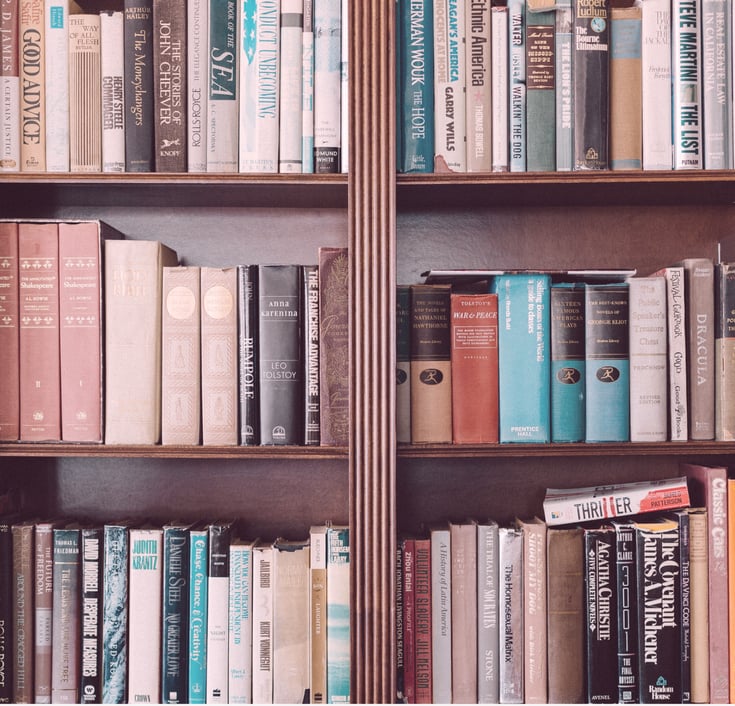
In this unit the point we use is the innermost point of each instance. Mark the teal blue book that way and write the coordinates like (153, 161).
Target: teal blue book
(607, 362)
(416, 86)
(198, 554)
(524, 356)
(567, 362)
(338, 615)
(517, 83)
(564, 108)
(540, 92)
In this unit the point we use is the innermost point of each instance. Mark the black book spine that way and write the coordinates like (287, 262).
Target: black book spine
(248, 343)
(601, 610)
(627, 613)
(220, 538)
(6, 613)
(681, 517)
(312, 434)
(91, 674)
(139, 90)
(280, 355)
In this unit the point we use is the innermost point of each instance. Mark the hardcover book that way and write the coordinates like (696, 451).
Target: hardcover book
(408, 583)
(524, 365)
(463, 560)
(56, 84)
(112, 63)
(400, 656)
(431, 371)
(23, 616)
(510, 603)
(517, 84)
(247, 303)
(10, 84)
(499, 80)
(478, 95)
(290, 86)
(627, 613)
(681, 518)
(724, 348)
(318, 613)
(262, 623)
(488, 628)
(219, 355)
(716, 77)
(699, 617)
(334, 353)
(90, 681)
(40, 371)
(198, 600)
(43, 608)
(32, 63)
(197, 83)
(607, 354)
(138, 92)
(327, 86)
(280, 352)
(7, 646)
(425, 632)
(307, 90)
(567, 331)
(240, 646)
(338, 614)
(403, 364)
(564, 44)
(181, 406)
(591, 84)
(133, 305)
(9, 333)
(85, 86)
(541, 90)
(312, 358)
(474, 357)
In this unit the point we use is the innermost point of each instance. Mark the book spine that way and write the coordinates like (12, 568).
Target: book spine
(175, 614)
(197, 83)
(56, 85)
(601, 612)
(32, 86)
(169, 85)
(403, 364)
(145, 606)
(400, 656)
(307, 90)
(431, 371)
(540, 92)
(248, 355)
(9, 336)
(80, 315)
(219, 355)
(344, 87)
(181, 356)
(338, 612)
(724, 347)
(66, 617)
(40, 373)
(279, 354)
(90, 681)
(334, 269)
(627, 613)
(499, 83)
(686, 84)
(239, 655)
(478, 93)
(535, 670)
(112, 62)
(463, 561)
(409, 619)
(10, 85)
(260, 59)
(327, 88)
(656, 34)
(524, 366)
(415, 76)
(115, 614)
(44, 611)
(22, 629)
(291, 85)
(138, 51)
(607, 363)
(625, 88)
(510, 542)
(682, 519)
(564, 43)
(262, 625)
(311, 355)
(318, 613)
(198, 600)
(7, 655)
(648, 364)
(218, 587)
(425, 653)
(488, 654)
(567, 363)
(716, 84)
(474, 356)
(699, 616)
(591, 84)
(517, 84)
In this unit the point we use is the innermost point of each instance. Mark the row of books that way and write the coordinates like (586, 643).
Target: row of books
(179, 613)
(629, 609)
(566, 356)
(538, 85)
(175, 86)
(136, 349)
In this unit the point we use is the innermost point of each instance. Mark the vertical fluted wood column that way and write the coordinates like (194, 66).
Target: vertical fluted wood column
(372, 347)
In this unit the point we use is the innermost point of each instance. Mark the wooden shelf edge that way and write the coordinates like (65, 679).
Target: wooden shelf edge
(148, 179)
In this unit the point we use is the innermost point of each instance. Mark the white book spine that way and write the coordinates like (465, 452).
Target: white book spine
(499, 69)
(57, 85)
(239, 656)
(564, 93)
(656, 83)
(262, 625)
(479, 110)
(648, 355)
(344, 76)
(510, 541)
(449, 86)
(716, 84)
(686, 83)
(307, 90)
(441, 616)
(488, 660)
(144, 609)
(259, 78)
(113, 105)
(10, 124)
(197, 29)
(517, 84)
(291, 85)
(327, 85)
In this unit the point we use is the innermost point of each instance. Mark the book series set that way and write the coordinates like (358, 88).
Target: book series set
(561, 85)
(622, 594)
(110, 339)
(534, 357)
(175, 86)
(176, 613)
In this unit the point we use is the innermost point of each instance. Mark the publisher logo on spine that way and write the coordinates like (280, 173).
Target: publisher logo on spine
(431, 376)
(607, 373)
(568, 376)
